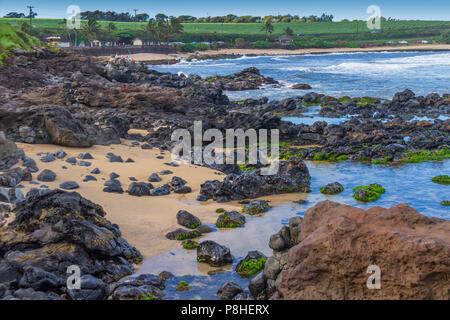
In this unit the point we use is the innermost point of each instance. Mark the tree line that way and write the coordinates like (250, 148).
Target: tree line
(229, 18)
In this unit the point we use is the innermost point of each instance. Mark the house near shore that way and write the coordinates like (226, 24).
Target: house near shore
(284, 40)
(103, 43)
(143, 42)
(56, 42)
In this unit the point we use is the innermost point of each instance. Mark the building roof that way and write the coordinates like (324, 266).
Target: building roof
(284, 38)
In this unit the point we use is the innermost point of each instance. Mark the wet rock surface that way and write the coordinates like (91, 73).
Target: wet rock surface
(56, 230)
(292, 176)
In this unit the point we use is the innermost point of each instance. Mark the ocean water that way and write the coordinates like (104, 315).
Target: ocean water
(356, 74)
(376, 74)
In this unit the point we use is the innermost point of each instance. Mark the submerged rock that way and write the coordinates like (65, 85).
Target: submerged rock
(256, 207)
(332, 188)
(230, 219)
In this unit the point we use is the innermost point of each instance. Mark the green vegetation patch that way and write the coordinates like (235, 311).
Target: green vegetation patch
(147, 296)
(421, 156)
(368, 193)
(189, 244)
(183, 286)
(445, 203)
(441, 179)
(190, 235)
(220, 210)
(252, 267)
(11, 39)
(227, 222)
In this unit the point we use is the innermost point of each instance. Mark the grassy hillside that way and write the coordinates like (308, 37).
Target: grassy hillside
(255, 28)
(10, 39)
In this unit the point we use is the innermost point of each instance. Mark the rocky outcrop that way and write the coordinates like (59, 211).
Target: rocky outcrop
(338, 243)
(53, 230)
(292, 176)
(9, 153)
(247, 79)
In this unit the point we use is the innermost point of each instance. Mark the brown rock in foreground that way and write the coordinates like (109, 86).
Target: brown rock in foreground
(339, 242)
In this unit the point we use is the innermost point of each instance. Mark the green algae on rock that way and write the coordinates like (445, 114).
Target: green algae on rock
(368, 193)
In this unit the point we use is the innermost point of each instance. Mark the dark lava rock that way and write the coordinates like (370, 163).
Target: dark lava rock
(113, 186)
(202, 198)
(229, 290)
(9, 153)
(139, 189)
(85, 156)
(30, 164)
(332, 188)
(50, 157)
(292, 176)
(182, 234)
(154, 178)
(182, 189)
(213, 254)
(165, 172)
(96, 171)
(89, 178)
(84, 163)
(177, 182)
(204, 228)
(161, 191)
(188, 220)
(140, 287)
(287, 236)
(69, 185)
(113, 175)
(301, 86)
(46, 175)
(11, 177)
(129, 160)
(230, 219)
(71, 160)
(91, 288)
(114, 158)
(256, 207)
(55, 230)
(60, 154)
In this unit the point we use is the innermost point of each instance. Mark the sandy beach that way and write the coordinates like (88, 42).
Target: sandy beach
(143, 221)
(148, 57)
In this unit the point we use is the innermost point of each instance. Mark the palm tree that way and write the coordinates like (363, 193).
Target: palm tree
(152, 29)
(175, 27)
(267, 28)
(111, 27)
(91, 28)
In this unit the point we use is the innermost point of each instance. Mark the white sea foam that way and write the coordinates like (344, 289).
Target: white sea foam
(381, 66)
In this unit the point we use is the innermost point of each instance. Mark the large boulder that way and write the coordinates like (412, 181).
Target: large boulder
(9, 154)
(53, 230)
(340, 242)
(292, 176)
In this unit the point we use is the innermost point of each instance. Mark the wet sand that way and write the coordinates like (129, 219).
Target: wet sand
(147, 57)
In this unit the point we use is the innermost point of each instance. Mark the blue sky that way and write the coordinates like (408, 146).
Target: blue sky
(350, 9)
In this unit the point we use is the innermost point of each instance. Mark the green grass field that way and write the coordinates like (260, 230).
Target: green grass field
(255, 28)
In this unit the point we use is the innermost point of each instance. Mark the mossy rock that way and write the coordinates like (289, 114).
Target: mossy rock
(183, 286)
(368, 193)
(332, 188)
(220, 210)
(256, 207)
(253, 263)
(232, 219)
(189, 244)
(445, 203)
(441, 179)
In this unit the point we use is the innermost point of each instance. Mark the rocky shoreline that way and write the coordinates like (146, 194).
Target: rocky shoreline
(75, 101)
